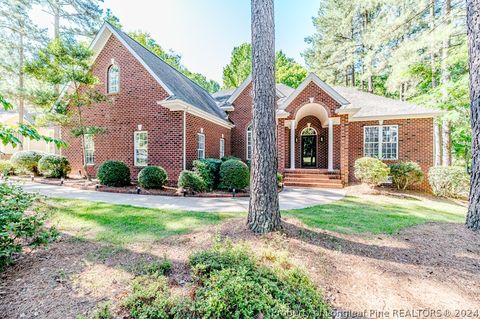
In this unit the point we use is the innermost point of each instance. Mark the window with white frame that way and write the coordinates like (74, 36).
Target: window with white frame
(201, 146)
(89, 149)
(222, 147)
(381, 141)
(113, 79)
(249, 151)
(141, 148)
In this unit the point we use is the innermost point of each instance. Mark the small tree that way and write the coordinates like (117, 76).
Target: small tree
(67, 63)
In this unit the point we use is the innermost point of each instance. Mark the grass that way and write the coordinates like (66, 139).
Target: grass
(378, 214)
(123, 224)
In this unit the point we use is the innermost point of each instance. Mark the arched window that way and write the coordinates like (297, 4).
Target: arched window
(309, 131)
(113, 79)
(249, 150)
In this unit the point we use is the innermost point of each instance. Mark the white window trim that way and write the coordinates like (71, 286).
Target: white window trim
(222, 148)
(135, 148)
(249, 132)
(85, 150)
(109, 91)
(380, 141)
(198, 146)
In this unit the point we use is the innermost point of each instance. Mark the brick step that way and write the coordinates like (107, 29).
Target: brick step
(323, 176)
(313, 185)
(311, 171)
(312, 179)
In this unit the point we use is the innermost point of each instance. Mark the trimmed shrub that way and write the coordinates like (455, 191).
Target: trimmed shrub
(22, 223)
(279, 179)
(202, 169)
(114, 173)
(191, 182)
(371, 171)
(52, 165)
(227, 158)
(234, 174)
(449, 181)
(406, 174)
(230, 283)
(214, 165)
(152, 177)
(27, 161)
(6, 168)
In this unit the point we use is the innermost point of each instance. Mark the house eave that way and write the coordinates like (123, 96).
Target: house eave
(179, 105)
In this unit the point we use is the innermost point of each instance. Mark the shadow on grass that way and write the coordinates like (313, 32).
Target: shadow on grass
(123, 224)
(357, 215)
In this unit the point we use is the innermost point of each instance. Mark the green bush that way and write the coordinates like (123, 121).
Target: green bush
(227, 158)
(6, 168)
(191, 182)
(214, 165)
(234, 174)
(114, 173)
(236, 285)
(152, 177)
(27, 161)
(202, 169)
(279, 179)
(371, 171)
(52, 165)
(449, 181)
(161, 267)
(22, 223)
(406, 174)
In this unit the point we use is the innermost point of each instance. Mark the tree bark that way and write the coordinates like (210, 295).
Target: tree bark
(264, 213)
(432, 44)
(473, 26)
(21, 87)
(445, 78)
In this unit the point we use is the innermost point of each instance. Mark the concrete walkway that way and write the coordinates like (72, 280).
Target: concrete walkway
(290, 198)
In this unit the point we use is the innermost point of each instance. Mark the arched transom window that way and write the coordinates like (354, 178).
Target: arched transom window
(309, 131)
(113, 79)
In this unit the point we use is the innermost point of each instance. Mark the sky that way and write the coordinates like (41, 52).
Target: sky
(204, 32)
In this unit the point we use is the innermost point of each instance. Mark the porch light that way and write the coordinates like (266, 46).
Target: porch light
(233, 192)
(138, 190)
(97, 187)
(322, 139)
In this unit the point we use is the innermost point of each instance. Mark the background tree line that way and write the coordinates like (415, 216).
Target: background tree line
(413, 50)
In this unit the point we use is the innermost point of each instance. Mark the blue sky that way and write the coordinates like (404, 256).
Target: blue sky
(204, 32)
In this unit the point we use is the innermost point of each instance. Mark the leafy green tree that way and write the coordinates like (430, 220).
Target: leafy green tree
(288, 71)
(174, 59)
(66, 63)
(19, 37)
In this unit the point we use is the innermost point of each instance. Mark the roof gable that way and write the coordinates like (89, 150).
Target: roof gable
(324, 86)
(177, 85)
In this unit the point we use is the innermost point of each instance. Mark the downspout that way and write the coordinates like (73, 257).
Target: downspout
(185, 139)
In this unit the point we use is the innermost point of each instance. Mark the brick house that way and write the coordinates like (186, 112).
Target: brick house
(157, 116)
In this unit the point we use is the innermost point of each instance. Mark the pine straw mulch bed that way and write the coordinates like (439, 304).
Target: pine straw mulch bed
(435, 266)
(91, 185)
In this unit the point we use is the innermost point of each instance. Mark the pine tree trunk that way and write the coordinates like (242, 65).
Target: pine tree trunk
(21, 88)
(445, 78)
(432, 44)
(264, 213)
(473, 25)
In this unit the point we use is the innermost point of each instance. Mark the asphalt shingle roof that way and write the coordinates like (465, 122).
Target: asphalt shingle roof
(371, 105)
(182, 87)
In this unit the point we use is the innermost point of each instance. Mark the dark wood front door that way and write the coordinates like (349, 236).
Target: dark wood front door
(309, 151)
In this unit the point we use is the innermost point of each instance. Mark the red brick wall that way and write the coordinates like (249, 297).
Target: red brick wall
(213, 134)
(242, 118)
(134, 104)
(415, 143)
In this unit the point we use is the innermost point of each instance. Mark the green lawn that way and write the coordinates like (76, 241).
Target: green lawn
(378, 214)
(123, 224)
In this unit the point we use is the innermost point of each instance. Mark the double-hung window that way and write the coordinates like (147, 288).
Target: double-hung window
(201, 146)
(222, 147)
(141, 148)
(381, 141)
(89, 149)
(249, 150)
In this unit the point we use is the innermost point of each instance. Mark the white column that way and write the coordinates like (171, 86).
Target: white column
(292, 144)
(330, 145)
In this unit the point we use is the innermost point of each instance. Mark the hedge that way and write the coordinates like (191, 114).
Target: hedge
(152, 177)
(114, 173)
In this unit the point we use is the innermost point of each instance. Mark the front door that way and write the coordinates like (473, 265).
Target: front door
(309, 151)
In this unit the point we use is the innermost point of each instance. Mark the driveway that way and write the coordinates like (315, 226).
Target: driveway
(290, 198)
